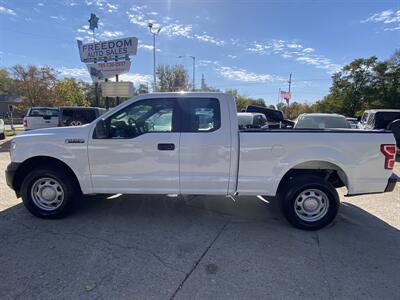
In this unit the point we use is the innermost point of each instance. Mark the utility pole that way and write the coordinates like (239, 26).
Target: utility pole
(154, 32)
(194, 70)
(290, 81)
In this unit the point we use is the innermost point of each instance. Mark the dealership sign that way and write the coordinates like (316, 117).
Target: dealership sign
(113, 49)
(102, 70)
(117, 89)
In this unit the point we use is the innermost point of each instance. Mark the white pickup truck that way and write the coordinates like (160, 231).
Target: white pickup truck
(189, 143)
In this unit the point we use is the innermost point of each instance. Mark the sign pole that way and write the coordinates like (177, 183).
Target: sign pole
(116, 80)
(107, 99)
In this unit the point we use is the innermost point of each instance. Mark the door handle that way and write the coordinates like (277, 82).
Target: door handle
(166, 147)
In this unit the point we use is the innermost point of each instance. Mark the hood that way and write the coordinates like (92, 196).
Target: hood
(56, 133)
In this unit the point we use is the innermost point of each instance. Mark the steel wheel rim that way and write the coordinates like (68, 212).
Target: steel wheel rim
(311, 205)
(47, 194)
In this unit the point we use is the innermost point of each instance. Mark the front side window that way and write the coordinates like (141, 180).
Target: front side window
(201, 115)
(145, 116)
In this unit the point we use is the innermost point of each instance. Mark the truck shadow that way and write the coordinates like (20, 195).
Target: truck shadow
(5, 145)
(146, 245)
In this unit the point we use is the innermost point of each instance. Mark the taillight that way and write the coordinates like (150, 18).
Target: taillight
(389, 151)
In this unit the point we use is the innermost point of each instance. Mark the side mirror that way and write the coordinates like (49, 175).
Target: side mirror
(101, 131)
(47, 117)
(358, 119)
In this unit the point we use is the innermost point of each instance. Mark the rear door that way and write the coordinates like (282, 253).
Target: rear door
(205, 146)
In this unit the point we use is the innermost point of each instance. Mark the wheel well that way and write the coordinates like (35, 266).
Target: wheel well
(36, 161)
(330, 172)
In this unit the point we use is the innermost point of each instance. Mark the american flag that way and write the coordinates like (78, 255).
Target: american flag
(286, 95)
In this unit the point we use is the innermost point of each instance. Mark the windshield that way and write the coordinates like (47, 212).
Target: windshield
(321, 122)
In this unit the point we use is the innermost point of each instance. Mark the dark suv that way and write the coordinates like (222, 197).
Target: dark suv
(382, 119)
(77, 115)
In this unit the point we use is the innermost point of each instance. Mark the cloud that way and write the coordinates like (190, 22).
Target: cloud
(137, 78)
(140, 16)
(175, 30)
(207, 38)
(232, 56)
(40, 4)
(147, 47)
(58, 18)
(102, 5)
(74, 72)
(111, 34)
(7, 11)
(239, 74)
(294, 50)
(387, 18)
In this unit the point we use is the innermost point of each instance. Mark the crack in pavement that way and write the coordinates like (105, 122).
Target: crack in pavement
(197, 262)
(330, 294)
(146, 251)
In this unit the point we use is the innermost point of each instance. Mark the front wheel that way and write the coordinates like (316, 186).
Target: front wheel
(309, 202)
(48, 192)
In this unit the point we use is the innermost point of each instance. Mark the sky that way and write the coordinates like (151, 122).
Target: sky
(249, 45)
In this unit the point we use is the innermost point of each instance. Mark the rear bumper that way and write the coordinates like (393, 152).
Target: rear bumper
(391, 183)
(390, 186)
(10, 173)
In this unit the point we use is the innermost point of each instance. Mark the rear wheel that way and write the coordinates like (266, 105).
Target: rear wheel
(309, 202)
(48, 192)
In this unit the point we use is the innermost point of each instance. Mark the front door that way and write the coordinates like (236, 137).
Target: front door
(139, 152)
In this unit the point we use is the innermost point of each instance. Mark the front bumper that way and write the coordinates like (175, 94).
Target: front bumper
(392, 183)
(10, 174)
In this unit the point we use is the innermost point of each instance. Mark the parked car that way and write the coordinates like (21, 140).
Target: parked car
(382, 119)
(252, 120)
(2, 130)
(41, 117)
(120, 153)
(77, 115)
(317, 120)
(353, 122)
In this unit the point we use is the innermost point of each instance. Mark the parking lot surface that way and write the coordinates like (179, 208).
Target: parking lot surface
(197, 247)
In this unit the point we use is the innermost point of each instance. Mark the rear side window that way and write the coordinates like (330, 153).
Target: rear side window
(41, 112)
(200, 114)
(73, 117)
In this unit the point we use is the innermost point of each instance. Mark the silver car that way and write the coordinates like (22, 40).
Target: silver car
(321, 121)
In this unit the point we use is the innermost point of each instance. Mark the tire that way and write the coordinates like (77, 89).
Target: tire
(56, 185)
(309, 202)
(2, 136)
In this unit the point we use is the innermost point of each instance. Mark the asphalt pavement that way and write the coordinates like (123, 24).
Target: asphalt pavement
(197, 247)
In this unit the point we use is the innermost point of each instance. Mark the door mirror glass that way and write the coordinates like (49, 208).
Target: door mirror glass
(101, 131)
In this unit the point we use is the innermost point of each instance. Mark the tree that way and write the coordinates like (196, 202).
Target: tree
(242, 101)
(5, 81)
(68, 92)
(35, 85)
(172, 78)
(362, 84)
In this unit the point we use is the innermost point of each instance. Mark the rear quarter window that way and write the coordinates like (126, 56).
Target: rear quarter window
(200, 114)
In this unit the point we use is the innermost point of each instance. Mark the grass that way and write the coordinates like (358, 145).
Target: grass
(11, 133)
